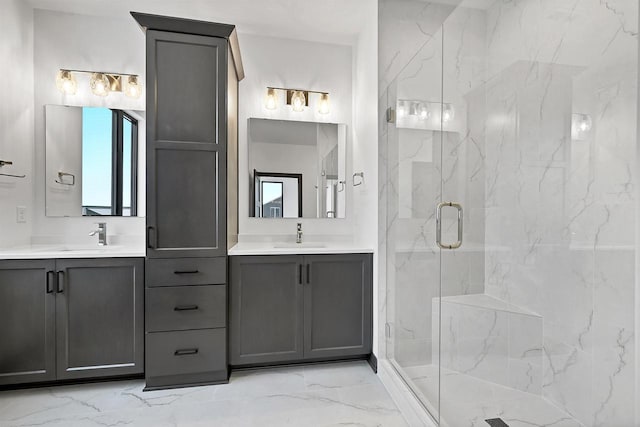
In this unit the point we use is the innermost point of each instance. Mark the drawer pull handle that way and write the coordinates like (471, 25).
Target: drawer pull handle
(186, 272)
(186, 352)
(185, 308)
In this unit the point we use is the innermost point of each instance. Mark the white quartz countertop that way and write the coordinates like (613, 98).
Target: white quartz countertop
(72, 251)
(291, 248)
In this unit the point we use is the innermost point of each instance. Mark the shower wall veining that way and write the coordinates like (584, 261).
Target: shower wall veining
(541, 297)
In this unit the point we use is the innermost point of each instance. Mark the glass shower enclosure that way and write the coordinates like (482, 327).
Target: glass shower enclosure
(509, 167)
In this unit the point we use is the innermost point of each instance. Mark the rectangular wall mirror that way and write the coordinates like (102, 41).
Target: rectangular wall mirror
(297, 169)
(91, 161)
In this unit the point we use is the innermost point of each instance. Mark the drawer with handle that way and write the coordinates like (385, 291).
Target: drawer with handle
(186, 271)
(197, 354)
(186, 307)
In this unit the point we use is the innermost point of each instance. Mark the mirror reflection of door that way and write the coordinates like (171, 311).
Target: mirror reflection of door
(277, 195)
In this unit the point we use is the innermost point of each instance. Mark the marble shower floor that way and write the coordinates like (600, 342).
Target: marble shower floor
(346, 394)
(468, 401)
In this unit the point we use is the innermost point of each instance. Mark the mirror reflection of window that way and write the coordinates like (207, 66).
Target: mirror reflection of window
(109, 146)
(271, 196)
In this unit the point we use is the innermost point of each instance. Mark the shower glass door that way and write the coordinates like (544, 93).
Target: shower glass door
(516, 125)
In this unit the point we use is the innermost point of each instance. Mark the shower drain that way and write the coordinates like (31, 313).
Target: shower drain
(496, 422)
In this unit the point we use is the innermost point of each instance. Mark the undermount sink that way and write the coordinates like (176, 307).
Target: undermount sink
(72, 249)
(299, 245)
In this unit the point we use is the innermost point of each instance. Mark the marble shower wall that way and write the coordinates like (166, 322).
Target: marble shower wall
(560, 200)
(550, 206)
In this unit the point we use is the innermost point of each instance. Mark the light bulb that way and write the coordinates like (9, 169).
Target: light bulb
(133, 88)
(447, 113)
(298, 101)
(99, 84)
(423, 112)
(413, 109)
(324, 106)
(585, 123)
(401, 109)
(271, 102)
(66, 83)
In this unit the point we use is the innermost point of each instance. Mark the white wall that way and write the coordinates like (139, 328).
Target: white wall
(64, 40)
(16, 119)
(365, 151)
(289, 63)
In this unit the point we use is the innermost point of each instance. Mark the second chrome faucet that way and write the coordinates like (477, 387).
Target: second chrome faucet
(102, 233)
(299, 233)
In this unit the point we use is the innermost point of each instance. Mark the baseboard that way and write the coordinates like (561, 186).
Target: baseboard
(410, 407)
(373, 362)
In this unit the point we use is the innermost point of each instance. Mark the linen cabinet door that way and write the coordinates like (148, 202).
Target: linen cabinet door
(266, 309)
(99, 317)
(186, 145)
(337, 305)
(27, 321)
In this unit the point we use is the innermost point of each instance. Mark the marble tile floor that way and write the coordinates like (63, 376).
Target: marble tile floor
(468, 401)
(339, 394)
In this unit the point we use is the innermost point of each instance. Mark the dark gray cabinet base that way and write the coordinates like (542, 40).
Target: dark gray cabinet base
(288, 309)
(71, 319)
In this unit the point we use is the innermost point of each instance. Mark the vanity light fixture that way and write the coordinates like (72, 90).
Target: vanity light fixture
(101, 83)
(298, 99)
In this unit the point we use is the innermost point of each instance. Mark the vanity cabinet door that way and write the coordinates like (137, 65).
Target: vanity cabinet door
(27, 321)
(186, 145)
(337, 305)
(99, 317)
(266, 307)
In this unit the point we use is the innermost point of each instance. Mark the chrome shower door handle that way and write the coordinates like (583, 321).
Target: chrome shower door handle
(458, 243)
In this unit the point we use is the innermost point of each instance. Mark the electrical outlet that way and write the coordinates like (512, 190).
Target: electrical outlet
(21, 214)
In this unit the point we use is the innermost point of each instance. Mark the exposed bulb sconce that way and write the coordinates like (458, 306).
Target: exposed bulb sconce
(581, 124)
(100, 83)
(448, 113)
(271, 102)
(66, 83)
(423, 112)
(297, 98)
(324, 105)
(133, 89)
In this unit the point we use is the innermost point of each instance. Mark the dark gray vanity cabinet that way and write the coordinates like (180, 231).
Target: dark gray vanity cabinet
(266, 305)
(27, 321)
(297, 308)
(193, 69)
(71, 319)
(99, 317)
(338, 304)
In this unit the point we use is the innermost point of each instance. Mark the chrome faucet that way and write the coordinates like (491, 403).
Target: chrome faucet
(101, 232)
(299, 233)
